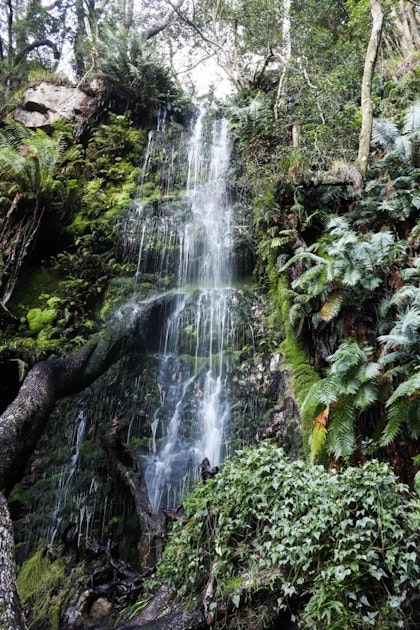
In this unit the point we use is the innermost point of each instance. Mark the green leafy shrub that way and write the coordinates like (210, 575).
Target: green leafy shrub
(337, 549)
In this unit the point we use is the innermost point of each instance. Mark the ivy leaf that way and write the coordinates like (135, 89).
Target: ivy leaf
(377, 572)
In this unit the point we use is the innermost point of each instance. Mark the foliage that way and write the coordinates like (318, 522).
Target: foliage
(400, 356)
(337, 549)
(29, 161)
(37, 318)
(147, 86)
(40, 583)
(334, 403)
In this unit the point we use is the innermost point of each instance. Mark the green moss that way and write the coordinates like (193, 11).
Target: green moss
(30, 290)
(38, 319)
(80, 225)
(20, 495)
(292, 348)
(233, 584)
(40, 584)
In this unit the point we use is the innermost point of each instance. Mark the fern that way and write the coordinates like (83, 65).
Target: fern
(313, 280)
(404, 146)
(366, 396)
(412, 118)
(350, 354)
(384, 133)
(301, 256)
(407, 293)
(398, 414)
(338, 226)
(318, 435)
(312, 404)
(341, 437)
(410, 387)
(370, 283)
(332, 306)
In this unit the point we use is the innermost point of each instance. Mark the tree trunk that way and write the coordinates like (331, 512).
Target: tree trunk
(11, 614)
(286, 55)
(376, 10)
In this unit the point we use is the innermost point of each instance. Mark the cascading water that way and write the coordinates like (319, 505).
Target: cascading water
(170, 397)
(195, 411)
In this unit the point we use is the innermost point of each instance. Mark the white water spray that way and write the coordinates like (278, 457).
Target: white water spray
(192, 420)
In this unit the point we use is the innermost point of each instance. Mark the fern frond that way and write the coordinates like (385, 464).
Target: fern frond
(367, 395)
(410, 387)
(313, 279)
(397, 370)
(368, 371)
(332, 306)
(394, 339)
(403, 146)
(398, 414)
(352, 275)
(370, 283)
(318, 435)
(384, 133)
(407, 293)
(412, 118)
(338, 226)
(349, 355)
(312, 404)
(13, 134)
(410, 323)
(302, 255)
(381, 243)
(341, 438)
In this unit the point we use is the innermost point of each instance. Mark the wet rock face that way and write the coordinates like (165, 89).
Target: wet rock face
(100, 609)
(46, 103)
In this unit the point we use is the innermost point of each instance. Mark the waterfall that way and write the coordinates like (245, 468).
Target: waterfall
(195, 392)
(194, 414)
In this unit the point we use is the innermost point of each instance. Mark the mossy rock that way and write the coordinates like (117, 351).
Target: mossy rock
(31, 289)
(39, 319)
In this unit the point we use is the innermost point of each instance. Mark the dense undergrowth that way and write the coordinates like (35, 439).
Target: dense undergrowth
(337, 549)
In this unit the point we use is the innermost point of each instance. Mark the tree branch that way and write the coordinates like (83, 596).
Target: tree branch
(37, 44)
(23, 422)
(160, 26)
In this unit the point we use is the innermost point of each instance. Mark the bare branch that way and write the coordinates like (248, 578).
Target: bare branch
(160, 26)
(37, 44)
